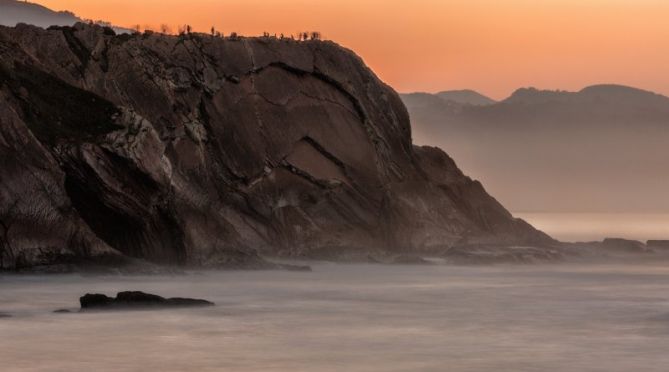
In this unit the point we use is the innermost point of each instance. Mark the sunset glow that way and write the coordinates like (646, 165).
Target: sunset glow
(431, 45)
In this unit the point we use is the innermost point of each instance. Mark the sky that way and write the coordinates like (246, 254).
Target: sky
(492, 46)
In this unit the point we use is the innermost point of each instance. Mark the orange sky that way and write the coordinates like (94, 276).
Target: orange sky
(493, 46)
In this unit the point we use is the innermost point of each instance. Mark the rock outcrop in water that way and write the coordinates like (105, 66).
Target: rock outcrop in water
(203, 151)
(136, 300)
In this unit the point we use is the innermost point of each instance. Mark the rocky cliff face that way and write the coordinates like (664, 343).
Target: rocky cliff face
(196, 150)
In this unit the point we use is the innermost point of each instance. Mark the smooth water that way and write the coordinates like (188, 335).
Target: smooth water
(597, 226)
(351, 318)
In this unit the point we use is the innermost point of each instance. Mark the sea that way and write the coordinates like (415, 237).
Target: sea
(350, 317)
(584, 227)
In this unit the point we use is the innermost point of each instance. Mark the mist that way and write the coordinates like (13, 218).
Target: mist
(606, 317)
(599, 150)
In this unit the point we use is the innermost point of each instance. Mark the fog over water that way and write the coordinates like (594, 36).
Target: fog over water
(574, 227)
(351, 318)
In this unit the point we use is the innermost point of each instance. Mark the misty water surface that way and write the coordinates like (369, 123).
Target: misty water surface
(597, 226)
(351, 318)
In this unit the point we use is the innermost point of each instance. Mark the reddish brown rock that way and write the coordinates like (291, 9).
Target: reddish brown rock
(206, 151)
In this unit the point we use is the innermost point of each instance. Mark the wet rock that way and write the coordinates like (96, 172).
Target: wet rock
(62, 311)
(136, 300)
(95, 300)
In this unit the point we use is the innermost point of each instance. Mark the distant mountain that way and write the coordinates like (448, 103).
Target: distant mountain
(451, 99)
(466, 97)
(596, 94)
(13, 12)
(604, 148)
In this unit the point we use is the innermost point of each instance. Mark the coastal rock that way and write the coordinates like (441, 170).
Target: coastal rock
(199, 151)
(661, 245)
(474, 255)
(136, 300)
(624, 245)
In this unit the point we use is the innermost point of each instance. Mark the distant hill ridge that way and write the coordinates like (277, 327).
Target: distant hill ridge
(459, 97)
(466, 96)
(13, 12)
(604, 148)
(532, 94)
(598, 92)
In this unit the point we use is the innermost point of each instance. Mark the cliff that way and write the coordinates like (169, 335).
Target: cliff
(203, 151)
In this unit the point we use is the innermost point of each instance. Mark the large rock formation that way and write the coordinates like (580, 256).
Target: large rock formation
(207, 151)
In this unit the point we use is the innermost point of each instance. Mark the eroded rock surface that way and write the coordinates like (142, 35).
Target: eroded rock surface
(203, 151)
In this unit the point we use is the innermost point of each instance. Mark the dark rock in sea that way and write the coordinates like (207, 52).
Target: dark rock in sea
(625, 245)
(62, 311)
(95, 300)
(136, 300)
(196, 151)
(660, 245)
(4, 315)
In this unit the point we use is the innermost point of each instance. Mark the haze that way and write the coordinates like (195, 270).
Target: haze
(602, 149)
(430, 45)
